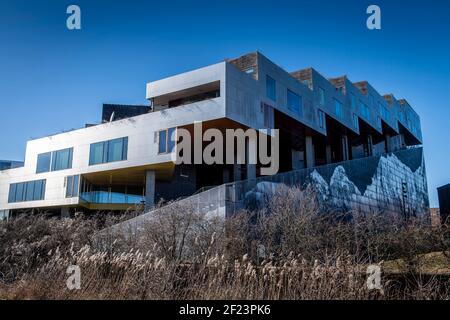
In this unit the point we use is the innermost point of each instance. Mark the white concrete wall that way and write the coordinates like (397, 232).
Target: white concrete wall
(240, 100)
(142, 149)
(215, 72)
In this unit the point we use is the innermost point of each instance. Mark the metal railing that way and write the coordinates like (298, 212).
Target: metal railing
(104, 197)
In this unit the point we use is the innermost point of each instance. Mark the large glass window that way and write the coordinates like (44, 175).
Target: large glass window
(62, 159)
(26, 191)
(162, 141)
(12, 193)
(116, 150)
(43, 162)
(54, 161)
(364, 111)
(167, 140)
(321, 96)
(108, 151)
(19, 192)
(96, 153)
(29, 192)
(72, 186)
(338, 109)
(271, 88)
(294, 102)
(321, 119)
(39, 188)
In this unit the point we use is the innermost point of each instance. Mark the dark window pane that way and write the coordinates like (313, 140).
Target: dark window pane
(12, 193)
(19, 192)
(76, 183)
(96, 153)
(69, 187)
(43, 162)
(294, 102)
(62, 159)
(29, 193)
(271, 90)
(163, 141)
(38, 190)
(115, 149)
(125, 149)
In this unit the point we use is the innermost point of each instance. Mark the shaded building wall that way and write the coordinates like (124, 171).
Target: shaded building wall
(395, 182)
(444, 202)
(392, 183)
(183, 184)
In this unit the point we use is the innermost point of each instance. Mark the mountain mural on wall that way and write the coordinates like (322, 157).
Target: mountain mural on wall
(394, 182)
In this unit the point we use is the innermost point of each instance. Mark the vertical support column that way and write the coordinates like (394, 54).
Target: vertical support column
(150, 183)
(237, 172)
(65, 213)
(328, 153)
(309, 149)
(369, 145)
(344, 144)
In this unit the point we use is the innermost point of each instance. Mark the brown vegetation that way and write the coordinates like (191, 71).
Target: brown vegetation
(289, 250)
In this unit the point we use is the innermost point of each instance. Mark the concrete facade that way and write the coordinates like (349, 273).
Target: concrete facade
(335, 120)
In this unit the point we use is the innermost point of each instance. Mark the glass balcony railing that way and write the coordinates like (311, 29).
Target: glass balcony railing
(111, 197)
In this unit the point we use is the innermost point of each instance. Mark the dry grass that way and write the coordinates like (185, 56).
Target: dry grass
(181, 254)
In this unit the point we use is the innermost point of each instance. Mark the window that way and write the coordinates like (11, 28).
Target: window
(62, 159)
(355, 121)
(364, 111)
(162, 141)
(12, 193)
(321, 96)
(167, 139)
(321, 119)
(371, 100)
(26, 191)
(29, 192)
(43, 162)
(271, 88)
(268, 116)
(72, 186)
(338, 109)
(117, 150)
(54, 161)
(294, 102)
(96, 153)
(385, 113)
(108, 151)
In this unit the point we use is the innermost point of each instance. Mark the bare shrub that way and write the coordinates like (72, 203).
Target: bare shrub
(291, 249)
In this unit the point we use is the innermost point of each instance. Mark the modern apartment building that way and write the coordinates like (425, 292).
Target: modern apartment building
(125, 161)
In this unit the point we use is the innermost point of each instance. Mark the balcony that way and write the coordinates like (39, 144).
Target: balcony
(105, 197)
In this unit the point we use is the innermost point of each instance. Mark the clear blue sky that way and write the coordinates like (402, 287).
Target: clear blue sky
(53, 79)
